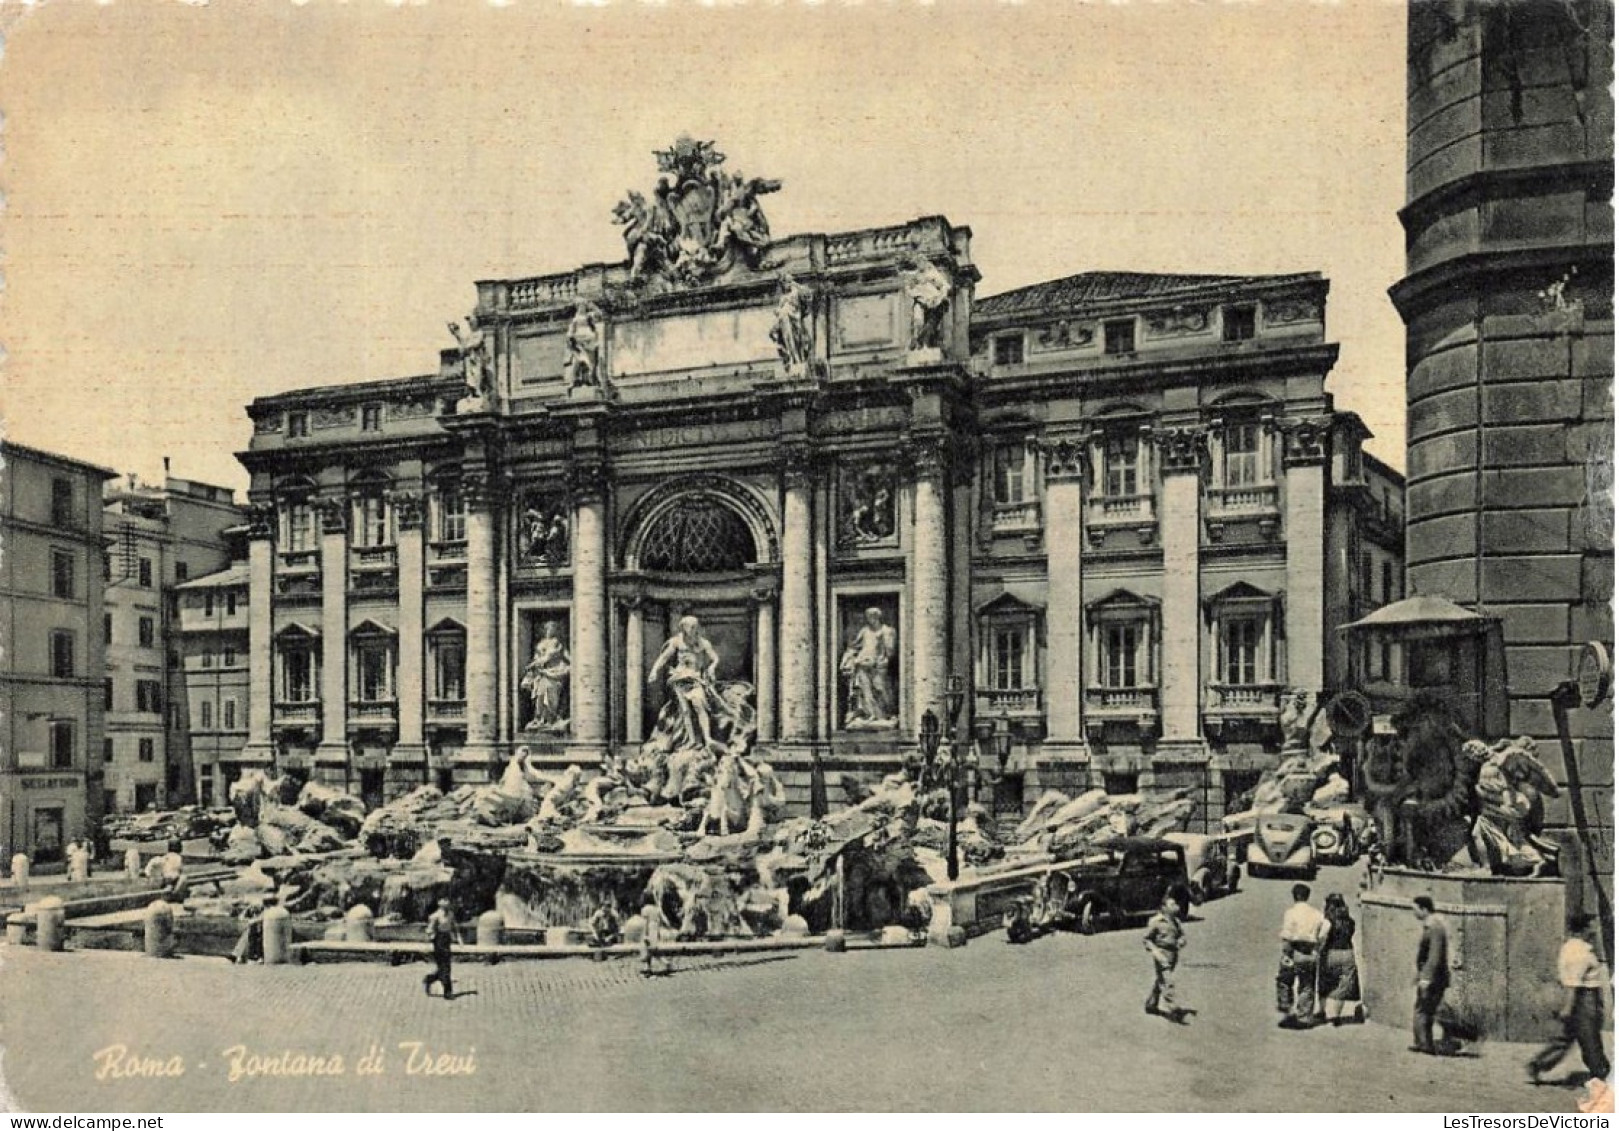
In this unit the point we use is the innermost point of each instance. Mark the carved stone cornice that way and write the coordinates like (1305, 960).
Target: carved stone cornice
(407, 507)
(334, 515)
(765, 593)
(800, 463)
(1181, 450)
(1305, 440)
(588, 481)
(481, 490)
(1066, 460)
(260, 521)
(928, 456)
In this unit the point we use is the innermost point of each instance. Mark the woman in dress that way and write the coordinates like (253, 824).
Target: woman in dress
(1340, 979)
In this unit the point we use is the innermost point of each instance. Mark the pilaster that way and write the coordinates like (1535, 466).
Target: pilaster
(410, 687)
(1065, 541)
(1181, 458)
(798, 651)
(482, 495)
(930, 592)
(591, 680)
(764, 680)
(634, 668)
(334, 747)
(260, 658)
(1304, 457)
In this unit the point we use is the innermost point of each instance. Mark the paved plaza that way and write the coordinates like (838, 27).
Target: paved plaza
(1054, 1025)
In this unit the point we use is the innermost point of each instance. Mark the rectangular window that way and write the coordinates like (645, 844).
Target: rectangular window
(106, 565)
(1009, 350)
(1118, 783)
(1237, 323)
(149, 696)
(61, 744)
(106, 749)
(146, 573)
(227, 658)
(62, 654)
(106, 688)
(148, 750)
(207, 659)
(449, 667)
(300, 531)
(205, 715)
(207, 604)
(371, 418)
(297, 425)
(148, 632)
(230, 714)
(62, 503)
(1242, 455)
(62, 580)
(1121, 455)
(106, 628)
(452, 515)
(1007, 669)
(1366, 575)
(1119, 337)
(1240, 642)
(373, 663)
(1010, 474)
(182, 570)
(1388, 582)
(371, 521)
(298, 675)
(230, 602)
(1385, 660)
(1119, 645)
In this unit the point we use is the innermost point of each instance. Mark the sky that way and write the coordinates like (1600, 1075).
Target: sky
(205, 203)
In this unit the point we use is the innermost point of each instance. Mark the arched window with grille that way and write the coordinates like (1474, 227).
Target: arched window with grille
(697, 534)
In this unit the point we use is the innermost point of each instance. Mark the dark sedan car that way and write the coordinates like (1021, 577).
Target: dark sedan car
(1118, 880)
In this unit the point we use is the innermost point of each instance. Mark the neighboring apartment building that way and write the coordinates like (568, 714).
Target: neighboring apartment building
(157, 538)
(1119, 508)
(212, 643)
(51, 651)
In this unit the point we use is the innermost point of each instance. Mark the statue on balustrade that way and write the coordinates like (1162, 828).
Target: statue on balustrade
(867, 664)
(791, 331)
(701, 720)
(478, 368)
(583, 366)
(545, 679)
(929, 288)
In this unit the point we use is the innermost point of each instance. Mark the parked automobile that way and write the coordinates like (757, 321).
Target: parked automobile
(1120, 879)
(1281, 846)
(1213, 863)
(1338, 836)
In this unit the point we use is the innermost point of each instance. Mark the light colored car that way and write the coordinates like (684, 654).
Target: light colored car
(1338, 834)
(1213, 863)
(1281, 846)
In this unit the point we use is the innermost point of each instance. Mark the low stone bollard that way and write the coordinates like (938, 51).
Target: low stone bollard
(277, 936)
(895, 936)
(132, 863)
(836, 941)
(634, 929)
(50, 921)
(795, 927)
(16, 930)
(19, 869)
(158, 921)
(491, 928)
(561, 936)
(358, 924)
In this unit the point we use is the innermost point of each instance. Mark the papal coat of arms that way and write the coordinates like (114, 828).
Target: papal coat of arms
(701, 222)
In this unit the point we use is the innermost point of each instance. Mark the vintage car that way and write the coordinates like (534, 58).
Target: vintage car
(1281, 846)
(1118, 880)
(1213, 863)
(1339, 834)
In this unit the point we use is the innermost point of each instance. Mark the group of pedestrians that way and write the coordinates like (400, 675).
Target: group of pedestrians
(1317, 979)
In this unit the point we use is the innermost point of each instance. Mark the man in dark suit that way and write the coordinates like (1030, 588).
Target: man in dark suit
(1433, 974)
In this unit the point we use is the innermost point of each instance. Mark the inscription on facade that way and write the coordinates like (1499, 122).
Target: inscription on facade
(692, 341)
(678, 436)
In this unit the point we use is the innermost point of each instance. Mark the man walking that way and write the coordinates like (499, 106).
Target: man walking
(441, 929)
(1302, 928)
(1164, 940)
(1433, 974)
(1584, 977)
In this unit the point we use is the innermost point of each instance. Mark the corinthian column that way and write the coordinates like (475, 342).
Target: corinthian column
(334, 632)
(634, 668)
(1065, 537)
(482, 661)
(590, 678)
(260, 659)
(797, 654)
(930, 592)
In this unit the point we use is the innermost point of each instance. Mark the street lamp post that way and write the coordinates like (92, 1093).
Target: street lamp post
(955, 695)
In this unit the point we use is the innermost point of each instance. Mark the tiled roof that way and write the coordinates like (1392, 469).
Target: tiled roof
(1097, 287)
(224, 579)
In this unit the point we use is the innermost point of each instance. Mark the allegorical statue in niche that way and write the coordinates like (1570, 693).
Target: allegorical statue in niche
(701, 720)
(929, 288)
(546, 680)
(791, 331)
(866, 664)
(583, 366)
(868, 505)
(477, 368)
(545, 532)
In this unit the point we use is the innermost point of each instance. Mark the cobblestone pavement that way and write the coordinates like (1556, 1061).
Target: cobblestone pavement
(1055, 1025)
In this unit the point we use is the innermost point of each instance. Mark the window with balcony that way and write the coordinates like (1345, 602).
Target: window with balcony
(1119, 336)
(62, 503)
(62, 579)
(1244, 641)
(1121, 655)
(452, 515)
(1237, 323)
(1122, 682)
(1122, 462)
(297, 527)
(371, 650)
(448, 650)
(1008, 673)
(62, 654)
(1239, 650)
(61, 744)
(1014, 486)
(297, 672)
(1241, 455)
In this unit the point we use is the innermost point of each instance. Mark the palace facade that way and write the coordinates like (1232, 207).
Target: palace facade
(1117, 511)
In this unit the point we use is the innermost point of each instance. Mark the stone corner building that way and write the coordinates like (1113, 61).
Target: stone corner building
(1120, 509)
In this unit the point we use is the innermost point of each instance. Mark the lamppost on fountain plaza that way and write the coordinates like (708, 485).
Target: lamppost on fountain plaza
(940, 764)
(996, 739)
